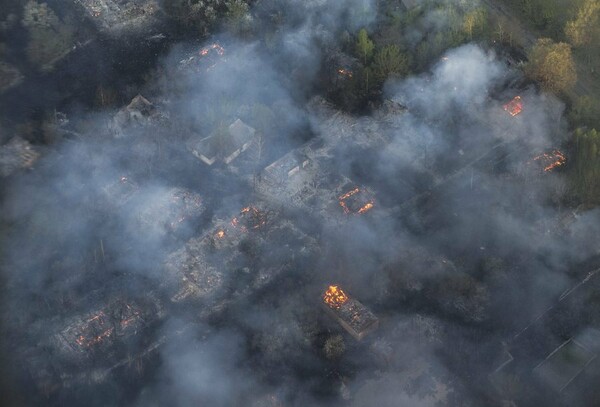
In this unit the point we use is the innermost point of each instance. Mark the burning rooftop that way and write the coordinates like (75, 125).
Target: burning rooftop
(335, 297)
(353, 316)
(514, 107)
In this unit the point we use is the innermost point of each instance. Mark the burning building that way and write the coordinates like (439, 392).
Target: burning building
(88, 346)
(16, 154)
(92, 332)
(203, 60)
(356, 201)
(341, 65)
(121, 16)
(198, 275)
(250, 218)
(551, 160)
(223, 146)
(514, 107)
(353, 316)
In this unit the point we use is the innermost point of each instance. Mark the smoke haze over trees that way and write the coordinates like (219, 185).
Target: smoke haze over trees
(148, 197)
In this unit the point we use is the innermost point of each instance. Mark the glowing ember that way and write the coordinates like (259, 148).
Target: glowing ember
(356, 201)
(345, 72)
(366, 207)
(334, 297)
(220, 234)
(87, 342)
(551, 160)
(106, 324)
(349, 194)
(135, 315)
(213, 47)
(93, 325)
(249, 218)
(514, 107)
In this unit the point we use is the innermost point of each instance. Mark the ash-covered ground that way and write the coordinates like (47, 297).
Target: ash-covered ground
(175, 249)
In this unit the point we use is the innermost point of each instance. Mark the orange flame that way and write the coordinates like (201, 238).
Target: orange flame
(366, 207)
(551, 160)
(88, 335)
(220, 234)
(254, 217)
(514, 107)
(349, 194)
(334, 297)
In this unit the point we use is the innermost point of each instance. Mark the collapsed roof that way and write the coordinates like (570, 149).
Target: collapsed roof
(286, 167)
(223, 145)
(139, 113)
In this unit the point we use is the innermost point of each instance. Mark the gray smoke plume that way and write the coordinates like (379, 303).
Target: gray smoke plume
(461, 250)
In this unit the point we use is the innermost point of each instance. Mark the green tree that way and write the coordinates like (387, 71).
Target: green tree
(389, 61)
(585, 28)
(587, 165)
(49, 37)
(193, 14)
(552, 65)
(237, 19)
(364, 46)
(585, 112)
(474, 22)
